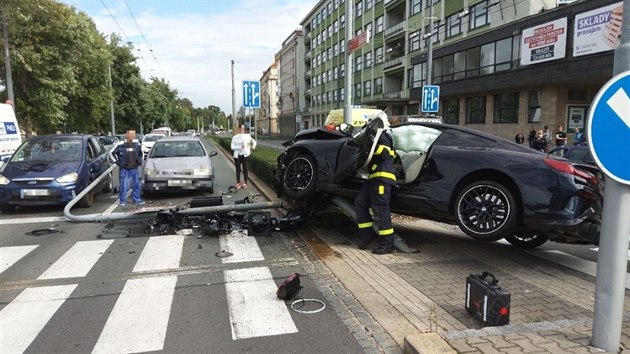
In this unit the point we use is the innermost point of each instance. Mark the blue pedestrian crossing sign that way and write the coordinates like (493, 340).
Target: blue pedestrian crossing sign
(430, 98)
(251, 94)
(608, 128)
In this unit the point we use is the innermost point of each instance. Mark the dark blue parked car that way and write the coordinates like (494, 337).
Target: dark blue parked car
(53, 169)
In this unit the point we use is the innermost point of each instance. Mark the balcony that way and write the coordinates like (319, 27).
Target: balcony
(392, 3)
(307, 92)
(395, 29)
(307, 55)
(395, 95)
(307, 74)
(392, 63)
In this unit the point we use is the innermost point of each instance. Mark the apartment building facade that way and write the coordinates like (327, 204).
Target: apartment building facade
(291, 84)
(476, 47)
(267, 115)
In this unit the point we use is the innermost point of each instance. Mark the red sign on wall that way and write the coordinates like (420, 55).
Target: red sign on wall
(359, 41)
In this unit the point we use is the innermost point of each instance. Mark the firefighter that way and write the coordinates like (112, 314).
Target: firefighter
(375, 194)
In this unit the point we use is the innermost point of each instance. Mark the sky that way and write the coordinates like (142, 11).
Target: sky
(191, 43)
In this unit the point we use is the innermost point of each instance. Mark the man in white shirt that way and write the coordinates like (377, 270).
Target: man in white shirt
(242, 145)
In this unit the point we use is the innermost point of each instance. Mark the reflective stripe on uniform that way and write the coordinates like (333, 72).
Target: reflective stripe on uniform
(374, 167)
(386, 232)
(365, 225)
(380, 149)
(383, 174)
(381, 189)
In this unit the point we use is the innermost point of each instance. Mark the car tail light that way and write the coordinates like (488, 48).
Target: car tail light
(568, 168)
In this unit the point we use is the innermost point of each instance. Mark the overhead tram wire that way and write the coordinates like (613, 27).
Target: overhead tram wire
(121, 30)
(145, 41)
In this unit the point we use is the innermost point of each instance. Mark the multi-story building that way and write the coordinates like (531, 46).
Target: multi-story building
(291, 84)
(485, 81)
(267, 115)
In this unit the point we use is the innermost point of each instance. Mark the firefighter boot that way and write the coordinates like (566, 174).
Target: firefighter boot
(386, 245)
(367, 236)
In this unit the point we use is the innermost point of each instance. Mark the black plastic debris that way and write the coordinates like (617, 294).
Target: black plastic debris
(43, 232)
(224, 254)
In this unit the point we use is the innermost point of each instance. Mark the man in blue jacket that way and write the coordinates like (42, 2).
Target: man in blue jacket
(128, 156)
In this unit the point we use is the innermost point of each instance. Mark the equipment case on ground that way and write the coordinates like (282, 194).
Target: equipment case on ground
(488, 302)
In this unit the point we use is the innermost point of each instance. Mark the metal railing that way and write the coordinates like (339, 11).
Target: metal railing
(399, 27)
(393, 62)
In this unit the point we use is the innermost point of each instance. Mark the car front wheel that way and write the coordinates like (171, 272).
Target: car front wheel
(486, 210)
(526, 241)
(299, 177)
(109, 183)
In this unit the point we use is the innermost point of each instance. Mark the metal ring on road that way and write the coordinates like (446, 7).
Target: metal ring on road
(308, 300)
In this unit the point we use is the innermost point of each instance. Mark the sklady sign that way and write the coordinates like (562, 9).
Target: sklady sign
(598, 30)
(544, 42)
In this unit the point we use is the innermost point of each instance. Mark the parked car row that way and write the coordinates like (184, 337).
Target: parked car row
(53, 169)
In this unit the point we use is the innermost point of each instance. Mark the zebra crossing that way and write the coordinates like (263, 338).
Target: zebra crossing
(140, 317)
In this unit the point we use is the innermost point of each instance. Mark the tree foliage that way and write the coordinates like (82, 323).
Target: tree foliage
(61, 64)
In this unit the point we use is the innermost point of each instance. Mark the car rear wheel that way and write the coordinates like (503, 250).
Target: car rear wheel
(526, 241)
(486, 210)
(299, 177)
(109, 184)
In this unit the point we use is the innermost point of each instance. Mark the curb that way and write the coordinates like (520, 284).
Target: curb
(426, 343)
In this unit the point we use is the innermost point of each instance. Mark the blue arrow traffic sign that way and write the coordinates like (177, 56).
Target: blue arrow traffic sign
(430, 98)
(608, 128)
(251, 94)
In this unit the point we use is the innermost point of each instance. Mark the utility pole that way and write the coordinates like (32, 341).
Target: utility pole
(347, 109)
(233, 100)
(111, 102)
(7, 59)
(430, 46)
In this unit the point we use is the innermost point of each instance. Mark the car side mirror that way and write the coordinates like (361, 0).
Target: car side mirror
(347, 128)
(213, 153)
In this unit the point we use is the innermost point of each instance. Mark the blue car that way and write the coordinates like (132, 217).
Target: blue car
(53, 169)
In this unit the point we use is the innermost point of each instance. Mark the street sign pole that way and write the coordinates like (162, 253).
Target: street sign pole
(615, 232)
(347, 108)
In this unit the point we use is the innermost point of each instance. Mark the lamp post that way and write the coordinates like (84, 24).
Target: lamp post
(430, 46)
(233, 101)
(111, 102)
(347, 109)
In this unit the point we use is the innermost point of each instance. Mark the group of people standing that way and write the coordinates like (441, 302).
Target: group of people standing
(542, 139)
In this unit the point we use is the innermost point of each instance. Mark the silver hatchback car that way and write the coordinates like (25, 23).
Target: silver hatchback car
(178, 163)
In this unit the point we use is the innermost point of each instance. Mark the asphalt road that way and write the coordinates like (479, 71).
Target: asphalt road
(111, 287)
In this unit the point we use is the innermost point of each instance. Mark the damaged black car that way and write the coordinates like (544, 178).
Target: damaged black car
(490, 187)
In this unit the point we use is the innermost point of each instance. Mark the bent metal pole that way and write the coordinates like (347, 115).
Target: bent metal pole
(614, 236)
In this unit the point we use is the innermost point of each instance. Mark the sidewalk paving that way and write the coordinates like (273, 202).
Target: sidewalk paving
(418, 299)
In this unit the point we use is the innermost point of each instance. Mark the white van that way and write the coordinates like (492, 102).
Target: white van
(10, 137)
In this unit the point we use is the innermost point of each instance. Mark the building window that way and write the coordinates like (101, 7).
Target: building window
(342, 71)
(334, 96)
(378, 85)
(417, 75)
(379, 24)
(335, 73)
(335, 49)
(414, 41)
(367, 88)
(472, 62)
(459, 65)
(486, 59)
(368, 4)
(437, 71)
(447, 68)
(451, 111)
(342, 94)
(342, 20)
(434, 35)
(378, 55)
(367, 59)
(329, 54)
(329, 31)
(357, 90)
(336, 26)
(476, 110)
(342, 47)
(503, 55)
(453, 25)
(329, 74)
(478, 15)
(329, 95)
(534, 109)
(429, 2)
(368, 29)
(358, 63)
(506, 108)
(329, 8)
(358, 9)
(416, 6)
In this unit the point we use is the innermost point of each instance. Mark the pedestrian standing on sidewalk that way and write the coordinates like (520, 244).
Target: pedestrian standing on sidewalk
(242, 145)
(128, 157)
(375, 194)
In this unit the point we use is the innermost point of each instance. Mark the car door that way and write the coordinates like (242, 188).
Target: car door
(96, 158)
(356, 151)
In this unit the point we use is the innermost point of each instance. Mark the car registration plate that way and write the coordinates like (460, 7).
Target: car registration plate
(26, 193)
(178, 182)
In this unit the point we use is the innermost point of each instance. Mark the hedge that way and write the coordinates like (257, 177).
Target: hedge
(261, 162)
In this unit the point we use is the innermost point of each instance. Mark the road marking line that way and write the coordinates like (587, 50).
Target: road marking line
(23, 319)
(42, 219)
(160, 252)
(78, 260)
(254, 309)
(243, 247)
(111, 208)
(10, 255)
(139, 320)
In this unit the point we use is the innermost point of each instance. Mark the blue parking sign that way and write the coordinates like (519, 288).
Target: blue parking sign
(430, 98)
(608, 128)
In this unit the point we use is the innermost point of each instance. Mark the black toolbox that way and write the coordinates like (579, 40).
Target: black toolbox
(488, 302)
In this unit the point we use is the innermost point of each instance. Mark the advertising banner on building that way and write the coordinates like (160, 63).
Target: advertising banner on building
(545, 42)
(598, 30)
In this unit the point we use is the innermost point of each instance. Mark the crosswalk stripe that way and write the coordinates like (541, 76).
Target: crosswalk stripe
(243, 247)
(23, 319)
(160, 253)
(139, 320)
(78, 260)
(10, 255)
(253, 307)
